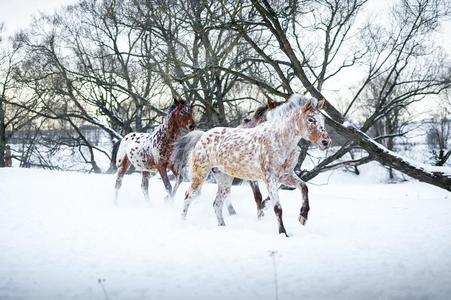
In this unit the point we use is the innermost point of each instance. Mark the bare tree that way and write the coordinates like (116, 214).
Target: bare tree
(439, 132)
(418, 19)
(12, 118)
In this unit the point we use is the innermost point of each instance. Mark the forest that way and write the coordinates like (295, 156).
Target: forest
(76, 81)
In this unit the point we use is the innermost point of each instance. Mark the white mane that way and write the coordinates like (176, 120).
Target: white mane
(295, 101)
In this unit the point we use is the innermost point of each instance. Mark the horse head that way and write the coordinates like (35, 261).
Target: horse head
(182, 113)
(312, 120)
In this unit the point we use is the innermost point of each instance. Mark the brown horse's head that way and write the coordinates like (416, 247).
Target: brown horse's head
(259, 115)
(182, 114)
(313, 122)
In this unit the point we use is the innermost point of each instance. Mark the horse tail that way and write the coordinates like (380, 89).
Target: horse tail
(182, 150)
(113, 166)
(118, 155)
(114, 152)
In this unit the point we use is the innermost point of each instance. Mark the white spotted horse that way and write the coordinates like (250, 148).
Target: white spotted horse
(267, 152)
(186, 143)
(153, 151)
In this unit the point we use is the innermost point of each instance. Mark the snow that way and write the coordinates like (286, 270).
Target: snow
(60, 233)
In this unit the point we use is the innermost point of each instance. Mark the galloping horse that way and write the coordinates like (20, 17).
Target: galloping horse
(185, 145)
(153, 151)
(267, 152)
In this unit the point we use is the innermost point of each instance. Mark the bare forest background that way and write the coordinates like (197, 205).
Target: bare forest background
(77, 80)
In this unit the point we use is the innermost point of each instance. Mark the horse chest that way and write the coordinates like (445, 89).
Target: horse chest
(279, 161)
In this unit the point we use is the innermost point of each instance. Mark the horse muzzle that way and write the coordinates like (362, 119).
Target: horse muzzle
(324, 143)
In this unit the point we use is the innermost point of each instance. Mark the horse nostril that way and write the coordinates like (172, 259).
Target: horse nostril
(325, 143)
(192, 126)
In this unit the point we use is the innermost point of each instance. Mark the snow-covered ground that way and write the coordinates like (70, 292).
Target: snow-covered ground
(60, 233)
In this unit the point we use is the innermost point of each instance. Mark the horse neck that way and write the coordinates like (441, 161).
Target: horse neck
(287, 130)
(170, 128)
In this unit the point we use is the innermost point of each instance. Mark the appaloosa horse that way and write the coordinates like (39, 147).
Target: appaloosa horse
(153, 151)
(185, 145)
(267, 152)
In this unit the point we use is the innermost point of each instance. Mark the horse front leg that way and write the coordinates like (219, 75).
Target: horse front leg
(166, 182)
(274, 196)
(258, 199)
(294, 181)
(303, 215)
(145, 185)
(178, 180)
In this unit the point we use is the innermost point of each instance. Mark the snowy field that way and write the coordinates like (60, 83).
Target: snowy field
(60, 233)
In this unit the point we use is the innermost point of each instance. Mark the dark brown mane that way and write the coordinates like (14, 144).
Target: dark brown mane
(262, 109)
(175, 104)
(260, 113)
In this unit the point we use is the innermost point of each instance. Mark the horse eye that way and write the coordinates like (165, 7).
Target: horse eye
(311, 120)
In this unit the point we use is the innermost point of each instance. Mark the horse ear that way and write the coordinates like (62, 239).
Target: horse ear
(178, 102)
(270, 103)
(321, 104)
(308, 105)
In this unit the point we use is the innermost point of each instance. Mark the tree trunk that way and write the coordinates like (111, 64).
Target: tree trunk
(2, 134)
(388, 158)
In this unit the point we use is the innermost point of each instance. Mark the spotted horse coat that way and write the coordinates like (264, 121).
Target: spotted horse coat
(267, 152)
(153, 151)
(185, 145)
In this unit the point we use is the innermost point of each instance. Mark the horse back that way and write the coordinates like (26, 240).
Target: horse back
(235, 151)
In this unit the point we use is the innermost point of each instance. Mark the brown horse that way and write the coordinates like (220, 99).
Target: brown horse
(185, 145)
(153, 151)
(267, 152)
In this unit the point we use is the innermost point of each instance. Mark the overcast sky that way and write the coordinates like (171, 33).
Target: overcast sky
(16, 14)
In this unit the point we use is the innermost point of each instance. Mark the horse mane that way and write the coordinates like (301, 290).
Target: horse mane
(295, 101)
(174, 105)
(260, 111)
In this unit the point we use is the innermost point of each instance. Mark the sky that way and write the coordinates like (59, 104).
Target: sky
(16, 14)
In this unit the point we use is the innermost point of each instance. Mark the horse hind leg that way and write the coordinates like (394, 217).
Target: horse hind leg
(145, 185)
(230, 207)
(222, 195)
(199, 173)
(224, 180)
(124, 163)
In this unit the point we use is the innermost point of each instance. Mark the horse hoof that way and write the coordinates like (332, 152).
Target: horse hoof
(284, 232)
(260, 214)
(221, 223)
(232, 212)
(302, 220)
